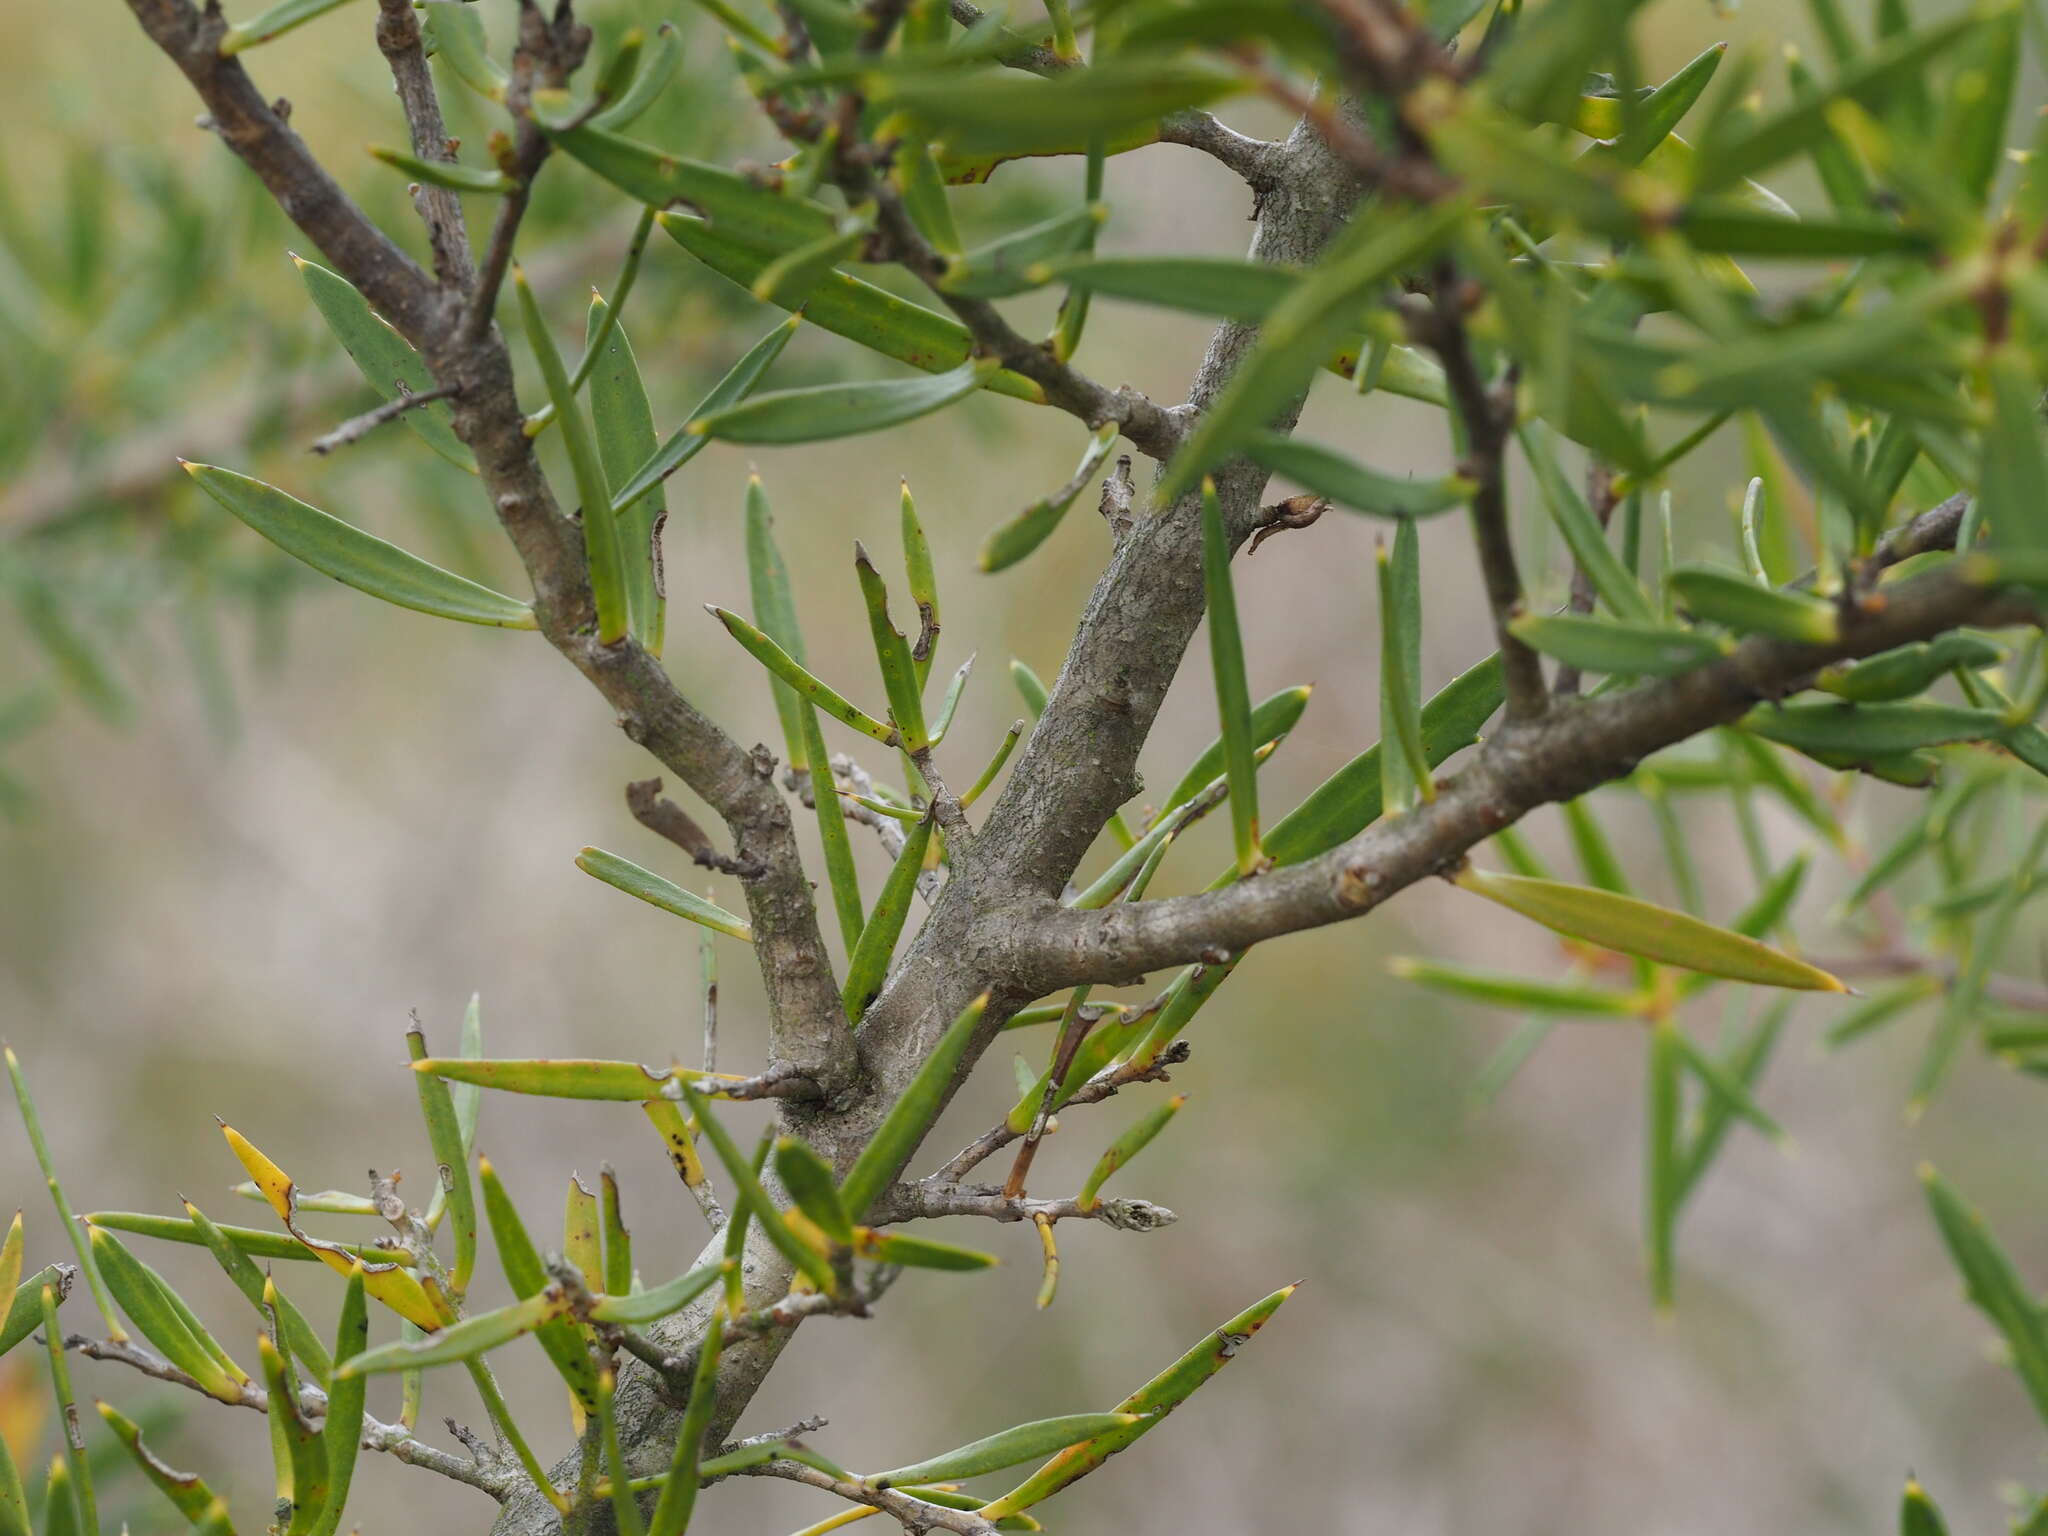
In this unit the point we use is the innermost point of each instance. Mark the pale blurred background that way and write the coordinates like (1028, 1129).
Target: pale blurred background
(229, 910)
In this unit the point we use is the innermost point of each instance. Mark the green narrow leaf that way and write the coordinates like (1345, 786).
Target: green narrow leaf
(1626, 650)
(276, 21)
(1737, 603)
(1006, 1449)
(621, 1082)
(679, 1494)
(996, 112)
(741, 210)
(779, 662)
(581, 1244)
(149, 1306)
(2013, 479)
(775, 613)
(1662, 1161)
(1347, 802)
(683, 444)
(658, 65)
(455, 177)
(813, 1264)
(1233, 698)
(810, 1184)
(601, 535)
(1581, 530)
(520, 1261)
(1994, 1286)
(343, 1428)
(912, 1114)
(624, 427)
(900, 679)
(652, 1306)
(1226, 288)
(1035, 524)
(1910, 669)
(618, 1240)
(455, 35)
(387, 361)
(1151, 1402)
(923, 581)
(356, 558)
(297, 1333)
(1917, 1514)
(33, 1125)
(307, 1491)
(1271, 719)
(83, 1502)
(625, 1507)
(821, 411)
(1295, 338)
(250, 1240)
(846, 306)
(1404, 772)
(1634, 927)
(651, 888)
(1742, 1068)
(1121, 1151)
(60, 1502)
(459, 1341)
(1023, 260)
(917, 1252)
(1352, 485)
(1872, 730)
(1502, 990)
(444, 1136)
(868, 966)
(187, 1491)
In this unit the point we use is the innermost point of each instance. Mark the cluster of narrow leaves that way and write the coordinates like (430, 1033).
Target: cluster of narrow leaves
(1608, 224)
(582, 1302)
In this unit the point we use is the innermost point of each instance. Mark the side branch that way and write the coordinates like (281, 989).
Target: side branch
(1574, 748)
(257, 131)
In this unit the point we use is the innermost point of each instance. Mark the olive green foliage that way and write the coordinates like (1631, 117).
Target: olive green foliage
(1832, 269)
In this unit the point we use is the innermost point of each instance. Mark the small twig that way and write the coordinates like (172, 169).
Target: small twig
(358, 427)
(798, 1305)
(665, 818)
(912, 1514)
(781, 1081)
(887, 829)
(398, 39)
(1294, 512)
(1601, 498)
(2010, 991)
(1099, 1087)
(392, 1439)
(1488, 416)
(796, 1431)
(914, 1202)
(1115, 505)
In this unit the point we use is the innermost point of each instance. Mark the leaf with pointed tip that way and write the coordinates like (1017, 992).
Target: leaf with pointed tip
(658, 65)
(200, 1505)
(767, 1214)
(1631, 926)
(900, 679)
(1872, 730)
(621, 1082)
(1024, 260)
(910, 1116)
(521, 1263)
(868, 966)
(738, 208)
(1010, 113)
(263, 1294)
(1151, 1402)
(1233, 698)
(821, 411)
(1007, 1449)
(356, 558)
(646, 1307)
(144, 1298)
(859, 311)
(1035, 524)
(624, 427)
(1738, 603)
(810, 1184)
(446, 173)
(275, 22)
(1627, 650)
(1353, 485)
(460, 1341)
(1126, 1147)
(1503, 990)
(1993, 1285)
(917, 1252)
(625, 875)
(393, 369)
(343, 1428)
(788, 670)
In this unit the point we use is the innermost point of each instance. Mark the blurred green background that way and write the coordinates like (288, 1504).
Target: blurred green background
(260, 818)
